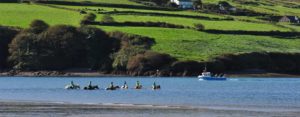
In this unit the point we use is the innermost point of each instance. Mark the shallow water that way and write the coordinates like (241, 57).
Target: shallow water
(238, 92)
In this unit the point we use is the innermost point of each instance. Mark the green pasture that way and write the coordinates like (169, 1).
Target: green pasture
(109, 1)
(187, 44)
(209, 24)
(22, 14)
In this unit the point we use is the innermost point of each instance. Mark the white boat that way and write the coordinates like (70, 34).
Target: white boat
(208, 76)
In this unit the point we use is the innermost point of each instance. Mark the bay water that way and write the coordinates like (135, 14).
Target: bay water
(235, 92)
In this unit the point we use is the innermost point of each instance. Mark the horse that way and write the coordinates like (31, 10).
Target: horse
(156, 87)
(138, 87)
(72, 87)
(91, 87)
(112, 88)
(124, 87)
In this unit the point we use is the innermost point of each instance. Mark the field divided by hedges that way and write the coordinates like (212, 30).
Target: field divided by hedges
(184, 44)
(187, 44)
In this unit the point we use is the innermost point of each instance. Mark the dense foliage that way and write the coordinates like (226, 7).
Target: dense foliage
(6, 35)
(131, 45)
(60, 47)
(149, 61)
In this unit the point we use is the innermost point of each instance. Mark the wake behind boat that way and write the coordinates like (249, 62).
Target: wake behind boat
(208, 76)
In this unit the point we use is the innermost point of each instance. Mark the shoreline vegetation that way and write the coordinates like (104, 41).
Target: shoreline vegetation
(99, 74)
(53, 50)
(141, 39)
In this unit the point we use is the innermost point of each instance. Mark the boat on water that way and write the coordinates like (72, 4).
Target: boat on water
(208, 76)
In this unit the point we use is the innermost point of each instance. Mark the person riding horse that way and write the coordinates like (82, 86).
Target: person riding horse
(138, 85)
(91, 87)
(125, 86)
(72, 86)
(154, 86)
(112, 87)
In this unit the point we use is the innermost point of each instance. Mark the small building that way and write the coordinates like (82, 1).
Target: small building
(289, 19)
(184, 4)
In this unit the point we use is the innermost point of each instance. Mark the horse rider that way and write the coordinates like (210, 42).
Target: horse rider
(154, 84)
(125, 85)
(138, 84)
(111, 85)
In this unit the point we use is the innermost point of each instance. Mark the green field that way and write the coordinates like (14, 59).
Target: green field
(22, 14)
(193, 45)
(184, 44)
(109, 1)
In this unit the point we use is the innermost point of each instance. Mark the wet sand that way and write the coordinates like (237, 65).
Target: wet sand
(50, 109)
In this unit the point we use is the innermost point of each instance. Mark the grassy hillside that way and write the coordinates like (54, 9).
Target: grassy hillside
(22, 14)
(184, 44)
(108, 1)
(193, 45)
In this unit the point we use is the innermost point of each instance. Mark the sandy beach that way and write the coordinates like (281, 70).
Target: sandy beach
(55, 109)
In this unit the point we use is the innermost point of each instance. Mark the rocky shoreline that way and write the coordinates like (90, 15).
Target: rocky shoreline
(14, 73)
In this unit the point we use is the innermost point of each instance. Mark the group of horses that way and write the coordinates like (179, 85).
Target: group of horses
(111, 87)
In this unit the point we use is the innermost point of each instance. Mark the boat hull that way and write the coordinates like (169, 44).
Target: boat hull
(213, 78)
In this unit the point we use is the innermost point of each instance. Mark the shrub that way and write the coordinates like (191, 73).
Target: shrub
(38, 26)
(6, 36)
(88, 19)
(64, 47)
(149, 61)
(131, 45)
(268, 61)
(107, 19)
(99, 47)
(199, 27)
(23, 51)
(56, 48)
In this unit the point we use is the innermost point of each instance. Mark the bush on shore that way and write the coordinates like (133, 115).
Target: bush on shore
(60, 47)
(131, 45)
(149, 61)
(6, 36)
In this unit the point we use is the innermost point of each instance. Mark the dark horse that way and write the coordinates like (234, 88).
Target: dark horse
(91, 87)
(112, 88)
(138, 87)
(156, 87)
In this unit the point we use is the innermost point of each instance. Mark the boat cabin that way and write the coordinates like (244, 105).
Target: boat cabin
(206, 74)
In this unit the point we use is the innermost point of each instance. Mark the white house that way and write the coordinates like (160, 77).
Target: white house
(185, 4)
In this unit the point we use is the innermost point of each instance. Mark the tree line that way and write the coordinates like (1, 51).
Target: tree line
(60, 47)
(63, 47)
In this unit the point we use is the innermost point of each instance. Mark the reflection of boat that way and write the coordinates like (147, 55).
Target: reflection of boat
(208, 76)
